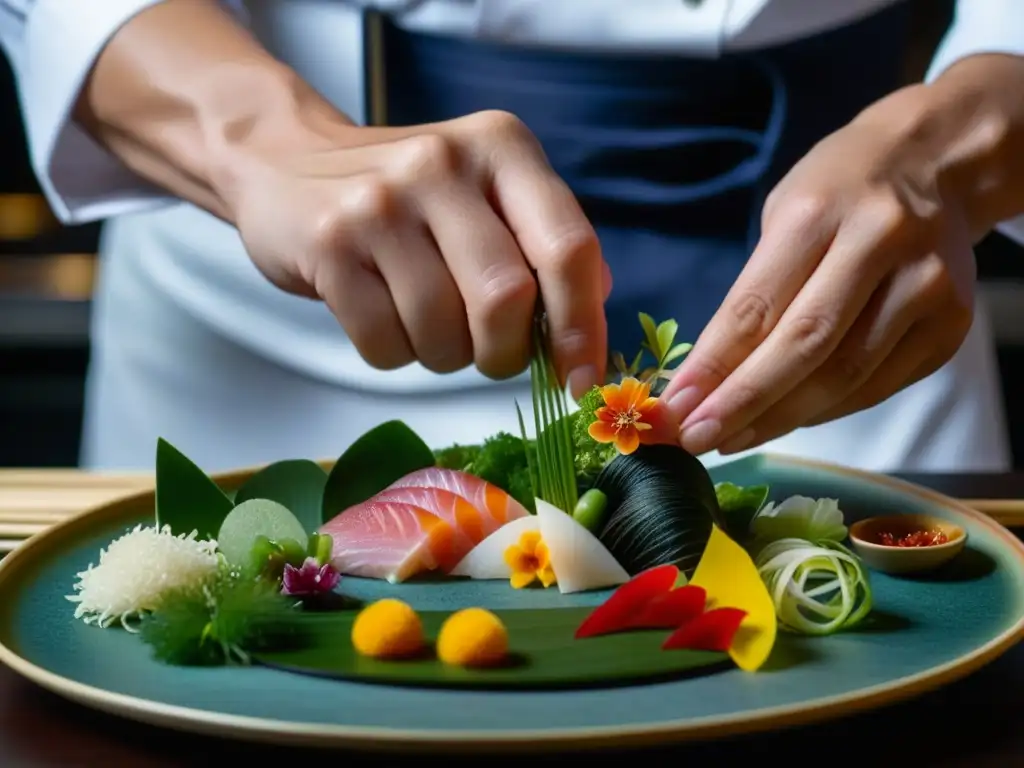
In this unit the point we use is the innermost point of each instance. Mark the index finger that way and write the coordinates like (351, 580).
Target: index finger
(561, 245)
(784, 259)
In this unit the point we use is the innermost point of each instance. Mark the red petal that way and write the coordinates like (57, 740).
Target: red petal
(711, 631)
(618, 611)
(672, 609)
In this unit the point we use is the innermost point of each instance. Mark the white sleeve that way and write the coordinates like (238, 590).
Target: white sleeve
(52, 45)
(983, 26)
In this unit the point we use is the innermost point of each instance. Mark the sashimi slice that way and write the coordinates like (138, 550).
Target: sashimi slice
(580, 560)
(466, 519)
(487, 559)
(495, 506)
(389, 540)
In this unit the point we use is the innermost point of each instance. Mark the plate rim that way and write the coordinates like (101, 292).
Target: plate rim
(391, 740)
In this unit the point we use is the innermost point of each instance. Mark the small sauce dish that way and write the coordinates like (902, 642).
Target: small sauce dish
(870, 539)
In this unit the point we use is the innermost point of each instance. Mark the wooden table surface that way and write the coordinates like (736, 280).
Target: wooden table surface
(971, 723)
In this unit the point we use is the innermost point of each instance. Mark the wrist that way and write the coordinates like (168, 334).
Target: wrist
(256, 119)
(974, 117)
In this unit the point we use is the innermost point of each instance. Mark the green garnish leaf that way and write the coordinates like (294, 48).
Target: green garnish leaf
(650, 333)
(556, 469)
(800, 517)
(666, 335)
(676, 352)
(256, 518)
(222, 622)
(739, 505)
(186, 498)
(379, 458)
(297, 484)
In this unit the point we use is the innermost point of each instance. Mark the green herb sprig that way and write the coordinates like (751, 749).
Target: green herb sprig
(554, 472)
(660, 343)
(222, 621)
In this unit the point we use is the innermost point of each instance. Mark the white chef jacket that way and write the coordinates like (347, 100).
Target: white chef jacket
(176, 266)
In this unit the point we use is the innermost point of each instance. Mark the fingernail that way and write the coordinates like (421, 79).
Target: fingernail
(682, 403)
(582, 380)
(701, 437)
(738, 443)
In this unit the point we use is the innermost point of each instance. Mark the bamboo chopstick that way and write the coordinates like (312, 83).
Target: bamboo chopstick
(31, 500)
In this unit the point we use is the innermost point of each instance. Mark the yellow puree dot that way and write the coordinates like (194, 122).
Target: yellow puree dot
(387, 629)
(473, 637)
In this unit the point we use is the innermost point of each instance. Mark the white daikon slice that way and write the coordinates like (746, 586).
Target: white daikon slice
(579, 559)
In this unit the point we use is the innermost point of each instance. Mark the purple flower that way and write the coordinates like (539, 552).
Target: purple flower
(311, 579)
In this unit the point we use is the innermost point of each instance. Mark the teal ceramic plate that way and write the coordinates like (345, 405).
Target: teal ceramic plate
(926, 634)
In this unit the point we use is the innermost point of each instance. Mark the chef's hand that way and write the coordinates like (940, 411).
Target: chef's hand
(428, 243)
(862, 282)
(424, 242)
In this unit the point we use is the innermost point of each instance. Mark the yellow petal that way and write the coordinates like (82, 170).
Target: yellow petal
(543, 555)
(515, 557)
(546, 576)
(730, 579)
(528, 542)
(522, 579)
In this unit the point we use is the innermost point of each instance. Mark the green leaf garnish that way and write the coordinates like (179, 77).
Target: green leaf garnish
(666, 334)
(739, 505)
(255, 518)
(297, 484)
(379, 458)
(222, 622)
(186, 498)
(556, 470)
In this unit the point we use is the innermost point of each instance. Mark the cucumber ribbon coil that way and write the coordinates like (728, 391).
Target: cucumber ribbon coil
(818, 588)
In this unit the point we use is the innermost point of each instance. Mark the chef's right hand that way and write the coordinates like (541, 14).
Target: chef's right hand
(424, 242)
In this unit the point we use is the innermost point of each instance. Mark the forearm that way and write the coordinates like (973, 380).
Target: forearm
(182, 93)
(985, 162)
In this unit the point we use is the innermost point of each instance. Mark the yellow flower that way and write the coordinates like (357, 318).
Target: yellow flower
(627, 417)
(530, 561)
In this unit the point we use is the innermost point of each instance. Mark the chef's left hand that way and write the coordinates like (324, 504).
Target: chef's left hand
(862, 282)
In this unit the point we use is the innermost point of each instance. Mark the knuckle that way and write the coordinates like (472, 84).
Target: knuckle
(497, 123)
(797, 209)
(751, 314)
(506, 293)
(708, 368)
(368, 200)
(427, 157)
(567, 252)
(811, 336)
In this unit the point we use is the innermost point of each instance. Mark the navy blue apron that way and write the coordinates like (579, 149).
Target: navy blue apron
(671, 157)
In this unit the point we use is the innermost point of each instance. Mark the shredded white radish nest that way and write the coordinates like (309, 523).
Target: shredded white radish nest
(136, 570)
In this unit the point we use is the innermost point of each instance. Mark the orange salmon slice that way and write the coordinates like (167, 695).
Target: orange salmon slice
(390, 540)
(495, 506)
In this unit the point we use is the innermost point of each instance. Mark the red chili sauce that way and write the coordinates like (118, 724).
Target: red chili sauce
(914, 539)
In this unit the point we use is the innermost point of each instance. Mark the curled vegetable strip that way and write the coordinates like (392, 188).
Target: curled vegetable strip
(818, 588)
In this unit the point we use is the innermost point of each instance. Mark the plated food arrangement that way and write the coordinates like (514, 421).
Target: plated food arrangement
(674, 575)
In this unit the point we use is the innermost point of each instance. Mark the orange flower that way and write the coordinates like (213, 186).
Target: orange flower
(530, 560)
(628, 416)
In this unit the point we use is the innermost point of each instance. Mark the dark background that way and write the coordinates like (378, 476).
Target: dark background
(46, 274)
